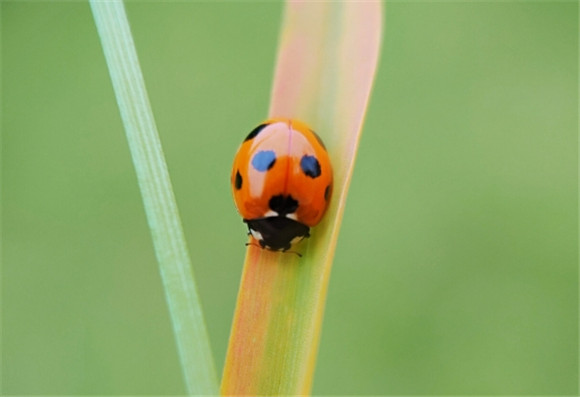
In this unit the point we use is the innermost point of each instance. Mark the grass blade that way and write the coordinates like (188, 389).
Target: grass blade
(160, 207)
(326, 65)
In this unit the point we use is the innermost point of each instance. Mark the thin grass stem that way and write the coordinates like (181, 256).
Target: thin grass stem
(160, 207)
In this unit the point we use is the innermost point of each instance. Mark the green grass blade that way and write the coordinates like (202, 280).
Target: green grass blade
(326, 66)
(160, 207)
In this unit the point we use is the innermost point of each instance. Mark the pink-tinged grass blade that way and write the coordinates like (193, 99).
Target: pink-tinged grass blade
(326, 65)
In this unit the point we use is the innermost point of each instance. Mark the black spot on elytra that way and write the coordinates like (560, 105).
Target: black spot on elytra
(238, 181)
(264, 160)
(318, 139)
(327, 193)
(310, 166)
(255, 132)
(283, 204)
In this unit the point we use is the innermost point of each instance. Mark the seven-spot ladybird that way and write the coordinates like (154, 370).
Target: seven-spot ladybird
(282, 182)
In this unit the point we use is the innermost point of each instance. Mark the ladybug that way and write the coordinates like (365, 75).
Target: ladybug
(281, 182)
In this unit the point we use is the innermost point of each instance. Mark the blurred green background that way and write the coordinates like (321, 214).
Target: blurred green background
(456, 270)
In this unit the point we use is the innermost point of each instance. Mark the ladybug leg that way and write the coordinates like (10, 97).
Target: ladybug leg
(286, 250)
(297, 253)
(293, 252)
(254, 244)
(300, 238)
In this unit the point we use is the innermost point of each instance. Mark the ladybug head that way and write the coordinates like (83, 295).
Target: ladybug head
(277, 233)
